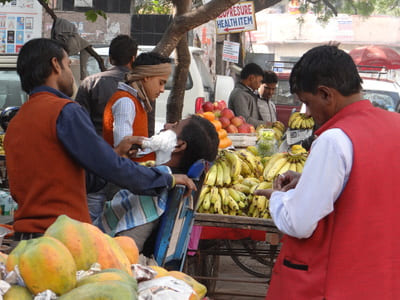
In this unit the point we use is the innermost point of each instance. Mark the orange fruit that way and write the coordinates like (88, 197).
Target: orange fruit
(224, 143)
(217, 124)
(222, 133)
(209, 115)
(129, 247)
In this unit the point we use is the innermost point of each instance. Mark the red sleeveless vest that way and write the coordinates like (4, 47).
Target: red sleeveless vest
(139, 126)
(44, 180)
(354, 251)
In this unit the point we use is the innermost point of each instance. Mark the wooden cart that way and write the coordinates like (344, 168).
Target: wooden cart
(253, 256)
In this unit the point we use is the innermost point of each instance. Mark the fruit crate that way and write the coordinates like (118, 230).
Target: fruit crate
(243, 139)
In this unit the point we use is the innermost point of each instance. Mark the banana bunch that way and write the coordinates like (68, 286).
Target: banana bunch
(2, 152)
(232, 166)
(298, 120)
(236, 200)
(279, 129)
(279, 163)
(221, 200)
(148, 163)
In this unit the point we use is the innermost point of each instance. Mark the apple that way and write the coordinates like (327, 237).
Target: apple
(228, 113)
(231, 128)
(252, 129)
(236, 121)
(207, 106)
(224, 121)
(244, 128)
(243, 119)
(221, 104)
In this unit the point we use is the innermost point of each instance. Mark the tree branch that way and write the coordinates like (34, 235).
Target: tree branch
(185, 22)
(330, 5)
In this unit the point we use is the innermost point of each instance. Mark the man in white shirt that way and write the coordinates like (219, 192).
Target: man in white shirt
(344, 203)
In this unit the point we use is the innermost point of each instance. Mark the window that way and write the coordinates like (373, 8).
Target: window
(11, 93)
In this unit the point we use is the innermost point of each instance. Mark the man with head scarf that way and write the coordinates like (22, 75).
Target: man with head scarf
(126, 112)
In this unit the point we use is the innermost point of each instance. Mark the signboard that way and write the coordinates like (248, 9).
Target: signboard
(20, 21)
(230, 51)
(83, 3)
(240, 17)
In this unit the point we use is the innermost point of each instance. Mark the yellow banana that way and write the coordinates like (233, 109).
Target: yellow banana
(235, 162)
(274, 158)
(241, 188)
(293, 117)
(284, 168)
(234, 194)
(261, 202)
(274, 170)
(246, 169)
(211, 175)
(259, 165)
(293, 167)
(299, 167)
(204, 190)
(250, 158)
(264, 185)
(252, 207)
(224, 195)
(226, 173)
(206, 202)
(219, 181)
(250, 181)
(233, 204)
(218, 205)
(253, 150)
(214, 195)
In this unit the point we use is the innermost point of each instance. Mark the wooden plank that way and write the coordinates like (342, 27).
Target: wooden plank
(215, 220)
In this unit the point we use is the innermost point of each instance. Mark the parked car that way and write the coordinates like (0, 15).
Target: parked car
(11, 93)
(199, 87)
(383, 93)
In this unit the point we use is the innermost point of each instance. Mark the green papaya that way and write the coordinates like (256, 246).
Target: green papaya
(18, 292)
(109, 275)
(104, 290)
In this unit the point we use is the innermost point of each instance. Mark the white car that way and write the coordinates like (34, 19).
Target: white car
(199, 84)
(382, 93)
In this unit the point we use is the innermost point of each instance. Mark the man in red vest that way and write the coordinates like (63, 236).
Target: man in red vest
(340, 217)
(51, 142)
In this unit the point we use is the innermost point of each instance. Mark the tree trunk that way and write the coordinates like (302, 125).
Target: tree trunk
(175, 99)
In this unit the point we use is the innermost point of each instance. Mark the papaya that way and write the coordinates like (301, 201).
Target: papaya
(110, 290)
(13, 257)
(46, 264)
(109, 275)
(130, 248)
(17, 292)
(88, 244)
(200, 289)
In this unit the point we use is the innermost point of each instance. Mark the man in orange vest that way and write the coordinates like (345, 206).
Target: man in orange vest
(51, 142)
(340, 217)
(126, 112)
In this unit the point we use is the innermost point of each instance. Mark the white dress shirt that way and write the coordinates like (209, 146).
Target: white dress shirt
(124, 113)
(325, 174)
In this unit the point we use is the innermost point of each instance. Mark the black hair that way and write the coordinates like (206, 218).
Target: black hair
(325, 65)
(34, 61)
(251, 69)
(202, 141)
(122, 49)
(150, 58)
(270, 77)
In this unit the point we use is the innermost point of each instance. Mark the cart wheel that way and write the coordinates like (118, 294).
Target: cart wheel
(254, 257)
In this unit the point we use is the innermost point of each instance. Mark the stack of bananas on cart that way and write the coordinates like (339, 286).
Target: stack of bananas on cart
(298, 120)
(231, 181)
(279, 163)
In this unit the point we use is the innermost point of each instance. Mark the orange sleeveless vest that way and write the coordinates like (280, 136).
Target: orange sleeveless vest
(44, 179)
(139, 126)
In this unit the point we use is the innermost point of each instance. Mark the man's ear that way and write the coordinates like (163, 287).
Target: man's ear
(326, 93)
(56, 65)
(180, 147)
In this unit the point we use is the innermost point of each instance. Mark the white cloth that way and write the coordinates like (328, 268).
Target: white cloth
(124, 113)
(325, 174)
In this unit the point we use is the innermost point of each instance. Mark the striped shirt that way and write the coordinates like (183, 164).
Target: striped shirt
(127, 210)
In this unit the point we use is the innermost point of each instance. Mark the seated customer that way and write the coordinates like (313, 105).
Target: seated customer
(136, 215)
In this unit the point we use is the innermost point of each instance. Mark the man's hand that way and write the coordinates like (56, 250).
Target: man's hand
(286, 181)
(186, 181)
(283, 183)
(124, 147)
